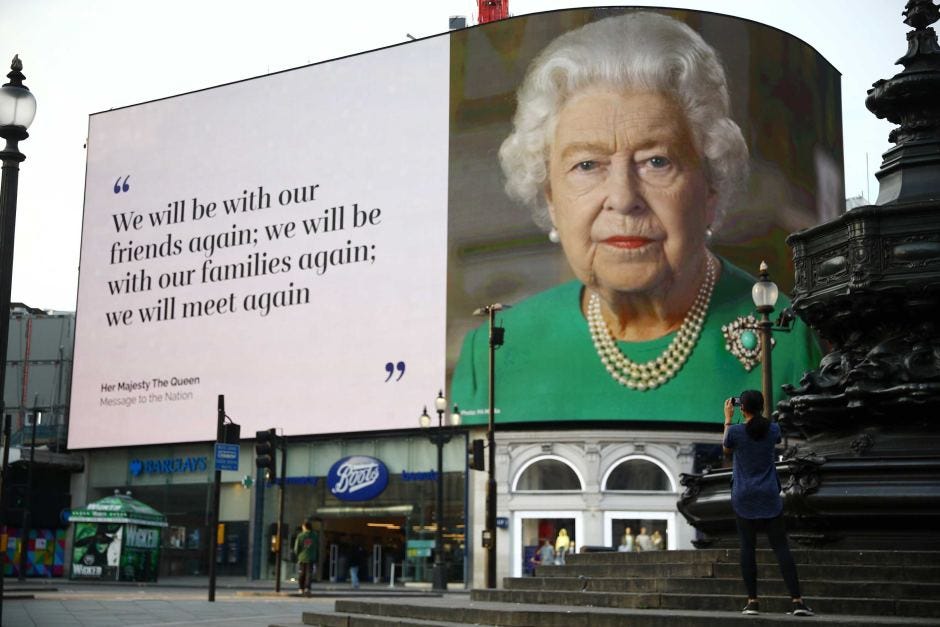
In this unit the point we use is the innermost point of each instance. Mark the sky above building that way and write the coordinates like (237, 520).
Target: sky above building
(83, 57)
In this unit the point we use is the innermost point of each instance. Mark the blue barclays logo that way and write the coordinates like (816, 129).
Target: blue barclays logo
(168, 466)
(357, 478)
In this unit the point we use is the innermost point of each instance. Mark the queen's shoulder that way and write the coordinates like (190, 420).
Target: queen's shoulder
(552, 313)
(544, 313)
(566, 293)
(549, 303)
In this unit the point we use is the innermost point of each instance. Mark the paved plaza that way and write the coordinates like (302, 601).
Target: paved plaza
(61, 603)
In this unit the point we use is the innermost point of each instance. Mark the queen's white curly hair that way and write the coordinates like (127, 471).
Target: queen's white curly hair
(640, 50)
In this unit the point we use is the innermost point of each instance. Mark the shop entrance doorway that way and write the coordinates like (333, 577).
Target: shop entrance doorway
(372, 543)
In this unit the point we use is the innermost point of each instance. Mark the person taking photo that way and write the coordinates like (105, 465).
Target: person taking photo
(755, 496)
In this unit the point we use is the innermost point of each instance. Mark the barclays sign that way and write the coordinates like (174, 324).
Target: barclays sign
(168, 466)
(357, 478)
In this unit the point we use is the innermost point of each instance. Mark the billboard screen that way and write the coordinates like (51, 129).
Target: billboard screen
(312, 243)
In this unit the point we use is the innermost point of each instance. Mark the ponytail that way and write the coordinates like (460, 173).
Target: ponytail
(752, 402)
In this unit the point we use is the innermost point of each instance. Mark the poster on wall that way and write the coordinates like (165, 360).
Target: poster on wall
(312, 243)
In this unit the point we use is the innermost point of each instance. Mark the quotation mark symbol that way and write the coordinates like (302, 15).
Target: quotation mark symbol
(121, 187)
(391, 367)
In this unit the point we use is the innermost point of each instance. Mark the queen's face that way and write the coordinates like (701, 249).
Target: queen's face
(628, 194)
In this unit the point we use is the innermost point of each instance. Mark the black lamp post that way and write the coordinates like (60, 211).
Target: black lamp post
(17, 110)
(765, 295)
(440, 437)
(225, 433)
(27, 524)
(497, 337)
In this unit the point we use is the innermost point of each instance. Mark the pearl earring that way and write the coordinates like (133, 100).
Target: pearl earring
(708, 232)
(553, 236)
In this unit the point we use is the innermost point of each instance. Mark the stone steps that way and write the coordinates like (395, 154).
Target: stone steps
(691, 585)
(715, 602)
(765, 556)
(452, 612)
(608, 589)
(846, 572)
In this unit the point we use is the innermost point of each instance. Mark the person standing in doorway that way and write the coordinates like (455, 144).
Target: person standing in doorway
(627, 544)
(357, 556)
(755, 496)
(658, 541)
(643, 540)
(562, 544)
(306, 548)
(546, 553)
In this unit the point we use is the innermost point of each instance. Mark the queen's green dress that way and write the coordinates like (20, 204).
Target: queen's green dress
(549, 370)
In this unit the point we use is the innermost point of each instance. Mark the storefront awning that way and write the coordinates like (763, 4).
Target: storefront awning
(120, 508)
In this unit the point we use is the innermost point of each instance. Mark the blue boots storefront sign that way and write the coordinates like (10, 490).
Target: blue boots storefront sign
(357, 478)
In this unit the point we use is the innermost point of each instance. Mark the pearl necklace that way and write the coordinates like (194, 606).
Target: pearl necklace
(655, 372)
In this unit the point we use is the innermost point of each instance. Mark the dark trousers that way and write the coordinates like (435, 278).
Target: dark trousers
(305, 570)
(777, 536)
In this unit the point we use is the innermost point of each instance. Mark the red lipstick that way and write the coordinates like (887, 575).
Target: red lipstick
(626, 241)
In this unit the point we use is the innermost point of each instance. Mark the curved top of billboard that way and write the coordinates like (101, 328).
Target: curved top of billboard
(312, 243)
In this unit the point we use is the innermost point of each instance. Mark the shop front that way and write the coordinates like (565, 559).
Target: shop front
(565, 491)
(372, 502)
(176, 480)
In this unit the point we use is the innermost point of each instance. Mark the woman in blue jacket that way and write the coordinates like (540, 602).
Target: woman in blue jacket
(755, 496)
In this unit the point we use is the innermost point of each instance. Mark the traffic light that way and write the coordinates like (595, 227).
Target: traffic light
(265, 453)
(475, 456)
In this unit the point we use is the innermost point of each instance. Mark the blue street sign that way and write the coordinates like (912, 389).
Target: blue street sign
(226, 456)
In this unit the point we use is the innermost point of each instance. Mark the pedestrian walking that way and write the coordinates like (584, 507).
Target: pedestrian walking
(307, 549)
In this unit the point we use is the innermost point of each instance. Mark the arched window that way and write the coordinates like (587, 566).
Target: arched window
(548, 473)
(638, 475)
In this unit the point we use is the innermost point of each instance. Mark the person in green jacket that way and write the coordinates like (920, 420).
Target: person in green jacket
(306, 547)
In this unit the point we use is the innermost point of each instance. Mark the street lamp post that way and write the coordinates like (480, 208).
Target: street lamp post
(497, 337)
(27, 523)
(225, 433)
(17, 110)
(3, 515)
(765, 293)
(440, 437)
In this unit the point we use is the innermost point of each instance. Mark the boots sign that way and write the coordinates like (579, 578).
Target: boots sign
(357, 478)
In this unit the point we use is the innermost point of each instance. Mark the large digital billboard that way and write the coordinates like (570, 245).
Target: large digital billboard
(312, 243)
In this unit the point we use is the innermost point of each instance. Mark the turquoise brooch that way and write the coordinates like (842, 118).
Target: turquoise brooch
(742, 339)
